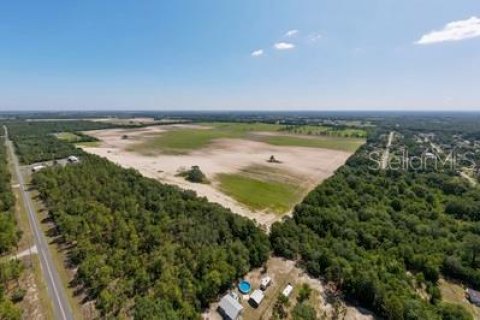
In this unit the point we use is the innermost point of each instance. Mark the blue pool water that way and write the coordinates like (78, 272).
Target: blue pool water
(244, 287)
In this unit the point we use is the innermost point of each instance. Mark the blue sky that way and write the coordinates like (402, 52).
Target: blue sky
(194, 54)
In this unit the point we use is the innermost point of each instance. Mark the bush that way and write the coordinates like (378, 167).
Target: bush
(454, 312)
(196, 175)
(304, 311)
(18, 295)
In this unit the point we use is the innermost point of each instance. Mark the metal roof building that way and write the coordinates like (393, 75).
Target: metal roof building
(265, 282)
(288, 290)
(473, 296)
(256, 298)
(229, 308)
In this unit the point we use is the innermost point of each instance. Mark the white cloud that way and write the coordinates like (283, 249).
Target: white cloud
(283, 46)
(257, 53)
(291, 33)
(314, 37)
(453, 31)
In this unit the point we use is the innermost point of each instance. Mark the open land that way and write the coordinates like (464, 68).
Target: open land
(234, 157)
(454, 292)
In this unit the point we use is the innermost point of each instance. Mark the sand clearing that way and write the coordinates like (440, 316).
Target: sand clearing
(308, 165)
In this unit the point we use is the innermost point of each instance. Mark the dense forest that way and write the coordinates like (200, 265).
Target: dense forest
(145, 249)
(35, 141)
(10, 271)
(385, 237)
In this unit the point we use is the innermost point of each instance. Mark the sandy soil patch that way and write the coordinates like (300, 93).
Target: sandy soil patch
(27, 252)
(309, 165)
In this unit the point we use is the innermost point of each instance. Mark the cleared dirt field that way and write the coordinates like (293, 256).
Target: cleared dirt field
(234, 166)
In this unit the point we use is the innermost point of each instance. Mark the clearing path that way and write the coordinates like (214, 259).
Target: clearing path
(386, 153)
(26, 252)
(473, 182)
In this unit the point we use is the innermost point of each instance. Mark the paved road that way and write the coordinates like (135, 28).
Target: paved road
(386, 154)
(52, 279)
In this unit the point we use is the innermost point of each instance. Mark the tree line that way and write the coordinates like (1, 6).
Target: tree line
(35, 141)
(142, 248)
(384, 238)
(10, 270)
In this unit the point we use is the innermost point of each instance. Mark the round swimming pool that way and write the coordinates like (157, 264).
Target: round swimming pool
(244, 287)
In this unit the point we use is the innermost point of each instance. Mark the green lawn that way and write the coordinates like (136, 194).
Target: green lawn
(260, 195)
(335, 143)
(67, 136)
(182, 141)
(88, 144)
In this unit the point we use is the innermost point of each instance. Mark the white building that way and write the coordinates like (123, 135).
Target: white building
(288, 290)
(265, 282)
(229, 308)
(73, 159)
(37, 168)
(256, 298)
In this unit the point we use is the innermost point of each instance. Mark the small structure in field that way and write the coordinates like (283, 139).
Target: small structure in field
(273, 159)
(288, 290)
(125, 137)
(473, 296)
(256, 298)
(73, 159)
(265, 282)
(38, 168)
(230, 308)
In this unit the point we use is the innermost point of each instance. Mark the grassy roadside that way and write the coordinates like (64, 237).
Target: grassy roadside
(41, 306)
(44, 299)
(59, 257)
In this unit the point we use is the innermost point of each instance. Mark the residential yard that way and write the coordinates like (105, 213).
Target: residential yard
(453, 292)
(282, 273)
